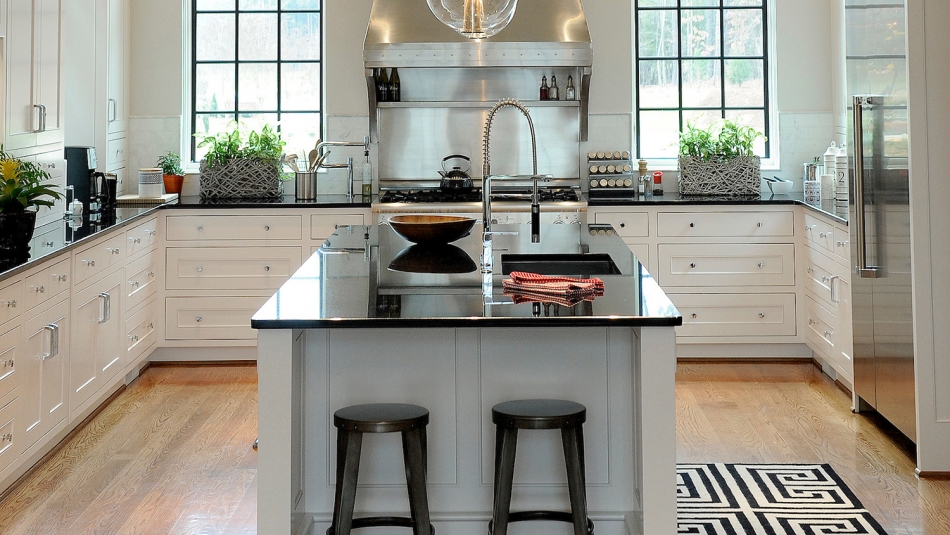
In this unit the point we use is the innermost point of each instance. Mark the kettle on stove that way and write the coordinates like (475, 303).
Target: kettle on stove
(456, 180)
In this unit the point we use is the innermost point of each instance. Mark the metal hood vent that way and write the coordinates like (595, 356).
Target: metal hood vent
(543, 33)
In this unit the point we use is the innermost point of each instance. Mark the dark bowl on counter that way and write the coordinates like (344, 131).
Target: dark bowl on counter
(441, 258)
(431, 229)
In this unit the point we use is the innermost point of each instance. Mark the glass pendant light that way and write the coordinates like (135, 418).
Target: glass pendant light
(475, 19)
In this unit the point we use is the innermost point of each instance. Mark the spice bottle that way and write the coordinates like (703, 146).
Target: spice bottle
(658, 182)
(367, 178)
(553, 91)
(395, 94)
(642, 177)
(569, 92)
(544, 88)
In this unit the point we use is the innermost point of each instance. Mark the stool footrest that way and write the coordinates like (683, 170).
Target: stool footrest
(559, 516)
(380, 521)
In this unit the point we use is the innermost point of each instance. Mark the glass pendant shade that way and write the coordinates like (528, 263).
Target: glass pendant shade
(475, 19)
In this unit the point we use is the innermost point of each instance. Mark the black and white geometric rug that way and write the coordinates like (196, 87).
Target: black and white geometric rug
(768, 499)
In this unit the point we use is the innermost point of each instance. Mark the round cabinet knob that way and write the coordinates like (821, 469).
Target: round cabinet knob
(810, 270)
(200, 229)
(623, 225)
(200, 269)
(266, 268)
(692, 264)
(198, 319)
(759, 225)
(151, 325)
(811, 321)
(693, 315)
(266, 228)
(761, 265)
(691, 225)
(761, 314)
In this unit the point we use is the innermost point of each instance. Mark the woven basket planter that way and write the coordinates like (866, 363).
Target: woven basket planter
(240, 179)
(732, 177)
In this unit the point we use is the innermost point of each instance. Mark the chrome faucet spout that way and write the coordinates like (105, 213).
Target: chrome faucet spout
(486, 162)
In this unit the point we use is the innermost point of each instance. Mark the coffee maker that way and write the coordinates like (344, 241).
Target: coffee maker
(93, 188)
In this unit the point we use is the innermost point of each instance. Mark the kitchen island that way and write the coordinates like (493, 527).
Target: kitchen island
(370, 318)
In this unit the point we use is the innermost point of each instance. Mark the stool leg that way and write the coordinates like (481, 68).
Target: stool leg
(506, 442)
(413, 449)
(348, 446)
(573, 440)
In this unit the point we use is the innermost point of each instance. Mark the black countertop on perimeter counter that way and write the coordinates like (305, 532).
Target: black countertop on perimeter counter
(369, 277)
(825, 207)
(286, 201)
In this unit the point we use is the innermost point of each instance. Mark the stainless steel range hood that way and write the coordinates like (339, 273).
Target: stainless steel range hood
(543, 33)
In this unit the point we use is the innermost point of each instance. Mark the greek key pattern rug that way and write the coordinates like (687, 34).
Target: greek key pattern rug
(768, 499)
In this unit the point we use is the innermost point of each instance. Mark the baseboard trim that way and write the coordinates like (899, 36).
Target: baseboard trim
(201, 363)
(746, 360)
(933, 475)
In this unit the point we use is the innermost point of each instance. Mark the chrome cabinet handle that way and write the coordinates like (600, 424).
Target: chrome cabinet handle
(151, 274)
(759, 224)
(693, 315)
(39, 289)
(266, 228)
(6, 438)
(829, 333)
(859, 219)
(113, 106)
(151, 325)
(60, 278)
(53, 331)
(761, 314)
(809, 269)
(824, 278)
(811, 321)
(134, 284)
(150, 232)
(113, 250)
(834, 289)
(134, 337)
(692, 264)
(266, 268)
(200, 228)
(135, 239)
(48, 244)
(90, 263)
(822, 235)
(761, 264)
(42, 118)
(105, 307)
(809, 228)
(692, 225)
(843, 243)
(38, 118)
(11, 304)
(8, 363)
(200, 269)
(198, 319)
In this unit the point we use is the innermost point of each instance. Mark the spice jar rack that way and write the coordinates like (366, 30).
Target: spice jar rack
(611, 173)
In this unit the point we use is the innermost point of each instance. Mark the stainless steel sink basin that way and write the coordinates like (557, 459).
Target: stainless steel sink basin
(560, 264)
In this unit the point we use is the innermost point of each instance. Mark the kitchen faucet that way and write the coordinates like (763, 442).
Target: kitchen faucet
(349, 161)
(487, 176)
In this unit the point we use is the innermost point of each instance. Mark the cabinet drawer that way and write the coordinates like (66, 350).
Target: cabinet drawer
(211, 318)
(140, 280)
(47, 239)
(820, 328)
(734, 264)
(820, 275)
(223, 227)
(641, 250)
(11, 302)
(9, 441)
(819, 234)
(140, 334)
(736, 314)
(626, 223)
(9, 379)
(843, 247)
(116, 152)
(323, 225)
(142, 237)
(47, 283)
(725, 224)
(99, 258)
(226, 268)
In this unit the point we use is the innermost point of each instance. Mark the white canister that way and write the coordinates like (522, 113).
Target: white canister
(150, 182)
(828, 186)
(841, 177)
(828, 159)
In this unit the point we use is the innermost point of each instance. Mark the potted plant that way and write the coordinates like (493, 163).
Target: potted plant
(719, 163)
(236, 166)
(172, 174)
(24, 187)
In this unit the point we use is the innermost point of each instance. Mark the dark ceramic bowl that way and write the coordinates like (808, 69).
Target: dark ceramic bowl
(443, 258)
(431, 229)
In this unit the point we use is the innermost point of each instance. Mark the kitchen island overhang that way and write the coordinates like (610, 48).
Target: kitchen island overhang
(348, 329)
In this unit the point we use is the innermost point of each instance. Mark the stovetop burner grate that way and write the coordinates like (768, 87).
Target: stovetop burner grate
(439, 196)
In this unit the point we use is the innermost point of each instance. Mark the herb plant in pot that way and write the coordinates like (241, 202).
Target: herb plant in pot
(172, 174)
(236, 166)
(24, 188)
(719, 163)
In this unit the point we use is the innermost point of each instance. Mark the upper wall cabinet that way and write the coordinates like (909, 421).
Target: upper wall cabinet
(117, 79)
(34, 88)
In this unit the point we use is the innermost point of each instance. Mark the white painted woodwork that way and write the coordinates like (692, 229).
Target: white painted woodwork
(627, 224)
(11, 302)
(99, 258)
(740, 264)
(117, 153)
(9, 359)
(142, 237)
(10, 441)
(45, 284)
(249, 268)
(54, 163)
(43, 397)
(322, 225)
(843, 246)
(140, 334)
(98, 336)
(819, 233)
(725, 224)
(211, 318)
(236, 227)
(117, 73)
(727, 315)
(141, 280)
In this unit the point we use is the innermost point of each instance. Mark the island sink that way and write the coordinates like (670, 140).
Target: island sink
(560, 264)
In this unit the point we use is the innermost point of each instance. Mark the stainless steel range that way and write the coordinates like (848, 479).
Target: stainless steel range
(559, 205)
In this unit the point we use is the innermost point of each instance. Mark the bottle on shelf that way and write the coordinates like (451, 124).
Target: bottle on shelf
(553, 91)
(544, 88)
(395, 94)
(382, 86)
(367, 178)
(569, 91)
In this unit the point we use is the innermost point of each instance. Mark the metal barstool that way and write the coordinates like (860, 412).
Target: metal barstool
(351, 423)
(567, 416)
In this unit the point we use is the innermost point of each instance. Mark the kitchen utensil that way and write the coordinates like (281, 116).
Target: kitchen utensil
(292, 162)
(431, 229)
(456, 180)
(306, 186)
(316, 165)
(313, 155)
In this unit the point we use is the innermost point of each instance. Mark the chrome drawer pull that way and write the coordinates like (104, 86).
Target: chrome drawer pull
(809, 228)
(113, 250)
(60, 278)
(135, 239)
(759, 224)
(822, 234)
(6, 438)
(200, 229)
(811, 321)
(90, 263)
(150, 232)
(53, 331)
(151, 325)
(8, 363)
(39, 289)
(151, 274)
(48, 244)
(809, 269)
(11, 304)
(828, 334)
(105, 307)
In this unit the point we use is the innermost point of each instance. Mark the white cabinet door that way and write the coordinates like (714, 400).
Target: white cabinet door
(117, 103)
(98, 338)
(44, 349)
(47, 53)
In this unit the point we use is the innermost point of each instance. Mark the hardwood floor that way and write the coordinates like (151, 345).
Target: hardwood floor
(172, 454)
(791, 413)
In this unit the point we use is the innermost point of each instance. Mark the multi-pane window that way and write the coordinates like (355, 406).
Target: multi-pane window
(257, 62)
(699, 61)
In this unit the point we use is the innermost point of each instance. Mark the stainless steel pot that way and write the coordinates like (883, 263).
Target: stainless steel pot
(456, 180)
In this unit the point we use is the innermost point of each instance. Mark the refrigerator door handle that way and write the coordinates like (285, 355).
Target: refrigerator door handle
(862, 269)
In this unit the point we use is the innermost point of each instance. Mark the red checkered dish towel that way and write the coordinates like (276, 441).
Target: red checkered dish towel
(525, 287)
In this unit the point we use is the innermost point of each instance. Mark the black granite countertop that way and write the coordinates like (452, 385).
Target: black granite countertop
(286, 201)
(825, 207)
(368, 276)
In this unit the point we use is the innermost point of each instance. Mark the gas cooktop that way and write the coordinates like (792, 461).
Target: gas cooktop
(439, 196)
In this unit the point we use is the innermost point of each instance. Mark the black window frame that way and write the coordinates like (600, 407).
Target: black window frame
(237, 11)
(721, 58)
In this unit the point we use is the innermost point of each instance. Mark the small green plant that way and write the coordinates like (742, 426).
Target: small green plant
(24, 185)
(170, 164)
(731, 141)
(230, 144)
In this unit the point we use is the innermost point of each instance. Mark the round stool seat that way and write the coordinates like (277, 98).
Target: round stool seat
(381, 418)
(538, 414)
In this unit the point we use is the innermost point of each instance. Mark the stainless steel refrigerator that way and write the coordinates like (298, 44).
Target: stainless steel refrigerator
(879, 214)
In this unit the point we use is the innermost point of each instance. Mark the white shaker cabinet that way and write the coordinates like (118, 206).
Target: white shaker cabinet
(98, 338)
(117, 79)
(33, 83)
(44, 355)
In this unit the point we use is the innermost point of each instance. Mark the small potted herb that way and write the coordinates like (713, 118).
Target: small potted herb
(239, 166)
(172, 173)
(24, 188)
(719, 162)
